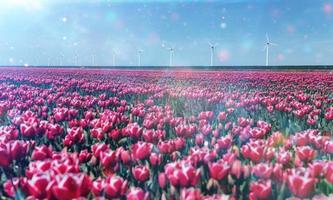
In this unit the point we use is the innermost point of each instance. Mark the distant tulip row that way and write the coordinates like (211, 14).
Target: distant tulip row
(139, 135)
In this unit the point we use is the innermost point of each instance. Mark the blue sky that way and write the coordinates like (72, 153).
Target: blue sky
(38, 32)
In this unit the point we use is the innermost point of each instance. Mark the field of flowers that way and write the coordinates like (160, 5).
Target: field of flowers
(139, 135)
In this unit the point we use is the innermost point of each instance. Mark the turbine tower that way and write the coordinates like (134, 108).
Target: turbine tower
(212, 52)
(140, 51)
(267, 45)
(171, 51)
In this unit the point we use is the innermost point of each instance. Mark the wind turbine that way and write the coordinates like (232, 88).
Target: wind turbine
(171, 51)
(267, 45)
(140, 51)
(212, 52)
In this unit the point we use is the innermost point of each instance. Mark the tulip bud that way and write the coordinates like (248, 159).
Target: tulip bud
(155, 159)
(137, 194)
(236, 169)
(125, 157)
(162, 181)
(141, 173)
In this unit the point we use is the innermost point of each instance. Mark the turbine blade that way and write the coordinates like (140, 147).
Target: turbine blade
(267, 38)
(273, 44)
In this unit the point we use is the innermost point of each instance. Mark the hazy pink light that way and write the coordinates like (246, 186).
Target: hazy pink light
(327, 8)
(280, 57)
(119, 24)
(224, 55)
(153, 38)
(276, 13)
(290, 29)
(174, 16)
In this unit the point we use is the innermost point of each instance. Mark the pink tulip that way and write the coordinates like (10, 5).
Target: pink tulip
(141, 173)
(218, 170)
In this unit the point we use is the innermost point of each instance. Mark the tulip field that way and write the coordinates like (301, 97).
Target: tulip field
(165, 134)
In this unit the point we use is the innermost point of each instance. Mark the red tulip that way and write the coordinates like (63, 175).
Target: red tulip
(108, 158)
(134, 130)
(218, 170)
(137, 194)
(97, 187)
(11, 186)
(328, 147)
(269, 153)
(329, 172)
(182, 174)
(317, 168)
(253, 151)
(225, 142)
(305, 153)
(277, 173)
(37, 167)
(260, 190)
(301, 184)
(8, 133)
(5, 157)
(155, 159)
(88, 115)
(97, 133)
(284, 157)
(162, 181)
(59, 116)
(98, 148)
(149, 136)
(222, 116)
(208, 115)
(243, 122)
(53, 130)
(141, 150)
(70, 186)
(301, 139)
(18, 149)
(84, 156)
(76, 134)
(39, 185)
(236, 168)
(114, 134)
(125, 156)
(141, 173)
(199, 139)
(206, 129)
(115, 187)
(179, 143)
(191, 194)
(27, 130)
(166, 147)
(329, 116)
(41, 153)
(257, 133)
(263, 170)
